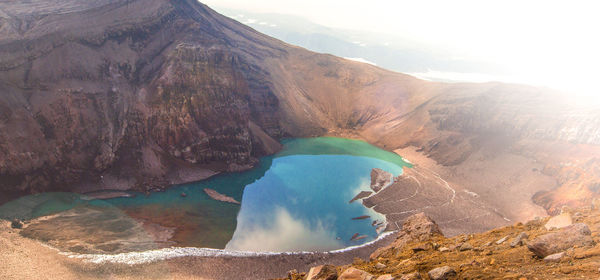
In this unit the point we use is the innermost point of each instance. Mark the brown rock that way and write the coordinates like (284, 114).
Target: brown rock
(565, 238)
(220, 197)
(422, 247)
(559, 221)
(421, 227)
(465, 247)
(355, 274)
(16, 224)
(518, 241)
(441, 273)
(417, 227)
(444, 249)
(379, 179)
(386, 277)
(410, 276)
(554, 257)
(357, 261)
(380, 266)
(361, 217)
(501, 240)
(322, 272)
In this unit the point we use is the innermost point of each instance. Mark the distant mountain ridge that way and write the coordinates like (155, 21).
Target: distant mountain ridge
(389, 51)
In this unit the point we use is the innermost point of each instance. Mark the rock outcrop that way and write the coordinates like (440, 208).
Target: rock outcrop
(519, 240)
(574, 235)
(559, 221)
(322, 272)
(380, 179)
(355, 274)
(417, 227)
(441, 273)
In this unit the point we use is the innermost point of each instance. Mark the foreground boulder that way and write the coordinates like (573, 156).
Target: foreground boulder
(322, 272)
(16, 224)
(418, 227)
(555, 242)
(519, 240)
(355, 274)
(554, 257)
(560, 221)
(441, 273)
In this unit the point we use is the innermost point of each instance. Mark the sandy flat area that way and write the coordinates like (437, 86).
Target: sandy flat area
(505, 181)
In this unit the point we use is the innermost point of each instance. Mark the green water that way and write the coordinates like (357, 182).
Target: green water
(294, 200)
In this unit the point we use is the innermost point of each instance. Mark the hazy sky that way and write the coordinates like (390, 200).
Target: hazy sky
(547, 42)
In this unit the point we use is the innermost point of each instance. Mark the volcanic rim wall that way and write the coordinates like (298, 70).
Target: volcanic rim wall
(146, 93)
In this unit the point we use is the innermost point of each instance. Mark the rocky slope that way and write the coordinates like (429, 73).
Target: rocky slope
(146, 93)
(538, 249)
(141, 94)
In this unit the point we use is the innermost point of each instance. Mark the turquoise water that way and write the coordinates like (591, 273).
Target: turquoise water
(294, 200)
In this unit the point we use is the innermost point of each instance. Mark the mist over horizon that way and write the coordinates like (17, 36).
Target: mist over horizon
(546, 44)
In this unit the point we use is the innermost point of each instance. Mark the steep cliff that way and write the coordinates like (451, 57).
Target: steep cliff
(122, 94)
(141, 94)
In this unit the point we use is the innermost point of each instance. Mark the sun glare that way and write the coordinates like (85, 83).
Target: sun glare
(543, 43)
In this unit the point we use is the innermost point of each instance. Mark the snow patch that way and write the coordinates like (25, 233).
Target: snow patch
(360, 59)
(473, 194)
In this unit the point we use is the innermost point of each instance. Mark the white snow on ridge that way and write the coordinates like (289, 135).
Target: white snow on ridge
(360, 59)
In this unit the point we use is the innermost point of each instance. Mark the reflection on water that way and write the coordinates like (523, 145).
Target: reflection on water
(301, 203)
(294, 200)
(282, 232)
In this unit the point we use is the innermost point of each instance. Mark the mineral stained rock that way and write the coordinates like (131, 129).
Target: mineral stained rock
(220, 197)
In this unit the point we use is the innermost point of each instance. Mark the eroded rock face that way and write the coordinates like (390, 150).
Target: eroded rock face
(565, 238)
(441, 273)
(128, 100)
(355, 274)
(554, 257)
(420, 227)
(559, 221)
(379, 179)
(322, 272)
(417, 227)
(519, 240)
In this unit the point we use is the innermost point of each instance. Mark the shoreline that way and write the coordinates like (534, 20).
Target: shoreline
(173, 263)
(150, 256)
(212, 263)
